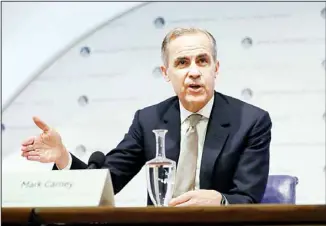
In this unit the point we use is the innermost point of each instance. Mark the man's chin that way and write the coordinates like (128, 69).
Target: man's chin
(190, 98)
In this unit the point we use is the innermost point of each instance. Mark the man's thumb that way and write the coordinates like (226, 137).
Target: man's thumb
(40, 124)
(181, 199)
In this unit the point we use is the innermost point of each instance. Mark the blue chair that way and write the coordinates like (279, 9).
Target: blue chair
(281, 189)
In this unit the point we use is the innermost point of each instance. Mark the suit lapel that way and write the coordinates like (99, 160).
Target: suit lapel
(171, 122)
(216, 136)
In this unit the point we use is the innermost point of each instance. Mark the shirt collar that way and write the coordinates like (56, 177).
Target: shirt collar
(205, 111)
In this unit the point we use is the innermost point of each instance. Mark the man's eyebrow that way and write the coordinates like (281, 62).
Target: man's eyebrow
(180, 58)
(202, 55)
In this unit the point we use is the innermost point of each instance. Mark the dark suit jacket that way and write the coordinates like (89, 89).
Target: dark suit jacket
(235, 159)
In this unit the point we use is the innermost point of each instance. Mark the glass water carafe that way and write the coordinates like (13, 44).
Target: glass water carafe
(160, 173)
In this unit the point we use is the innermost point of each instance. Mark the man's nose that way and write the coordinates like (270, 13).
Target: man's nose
(194, 73)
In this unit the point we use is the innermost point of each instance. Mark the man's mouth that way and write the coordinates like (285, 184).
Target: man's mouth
(194, 87)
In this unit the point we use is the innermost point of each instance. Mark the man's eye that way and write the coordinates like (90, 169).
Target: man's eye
(182, 62)
(202, 60)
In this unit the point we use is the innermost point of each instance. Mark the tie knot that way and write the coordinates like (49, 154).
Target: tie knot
(194, 119)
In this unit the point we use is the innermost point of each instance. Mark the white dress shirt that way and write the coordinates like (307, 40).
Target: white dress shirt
(201, 129)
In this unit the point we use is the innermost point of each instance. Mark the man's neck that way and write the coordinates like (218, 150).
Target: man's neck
(195, 107)
(204, 110)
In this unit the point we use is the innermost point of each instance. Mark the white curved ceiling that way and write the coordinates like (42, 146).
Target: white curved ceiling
(34, 33)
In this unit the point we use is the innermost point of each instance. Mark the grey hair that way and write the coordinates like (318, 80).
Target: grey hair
(177, 32)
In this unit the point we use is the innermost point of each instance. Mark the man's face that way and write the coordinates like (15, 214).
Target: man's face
(191, 69)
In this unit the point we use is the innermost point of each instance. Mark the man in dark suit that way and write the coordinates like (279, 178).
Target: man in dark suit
(221, 144)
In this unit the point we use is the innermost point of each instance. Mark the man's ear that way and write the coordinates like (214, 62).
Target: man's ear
(217, 67)
(164, 73)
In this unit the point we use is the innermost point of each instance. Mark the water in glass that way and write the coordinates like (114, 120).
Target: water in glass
(160, 173)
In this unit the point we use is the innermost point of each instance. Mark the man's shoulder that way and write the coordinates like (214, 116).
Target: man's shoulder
(160, 106)
(238, 105)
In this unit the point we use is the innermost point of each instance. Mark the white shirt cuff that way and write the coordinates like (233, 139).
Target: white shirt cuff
(69, 164)
(226, 202)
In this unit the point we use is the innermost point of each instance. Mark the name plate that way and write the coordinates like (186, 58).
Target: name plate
(57, 188)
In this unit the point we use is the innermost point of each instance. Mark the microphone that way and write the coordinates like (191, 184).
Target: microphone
(96, 160)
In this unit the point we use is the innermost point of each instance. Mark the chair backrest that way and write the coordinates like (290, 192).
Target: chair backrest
(281, 189)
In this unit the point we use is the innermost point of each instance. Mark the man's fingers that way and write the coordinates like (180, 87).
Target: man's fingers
(24, 149)
(27, 148)
(34, 158)
(181, 199)
(40, 124)
(30, 153)
(29, 141)
(185, 204)
(39, 145)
